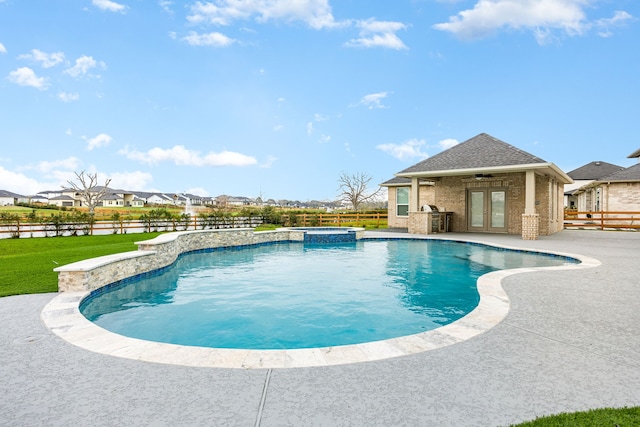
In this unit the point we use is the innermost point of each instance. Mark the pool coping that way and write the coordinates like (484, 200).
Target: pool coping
(62, 316)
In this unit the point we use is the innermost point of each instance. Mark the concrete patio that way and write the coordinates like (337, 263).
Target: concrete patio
(569, 342)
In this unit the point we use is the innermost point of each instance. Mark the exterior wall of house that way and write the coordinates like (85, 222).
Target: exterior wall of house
(427, 197)
(6, 201)
(621, 196)
(450, 195)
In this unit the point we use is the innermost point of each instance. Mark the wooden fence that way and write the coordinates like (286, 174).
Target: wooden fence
(374, 220)
(48, 227)
(611, 220)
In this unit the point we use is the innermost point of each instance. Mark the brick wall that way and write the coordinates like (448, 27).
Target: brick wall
(427, 197)
(451, 194)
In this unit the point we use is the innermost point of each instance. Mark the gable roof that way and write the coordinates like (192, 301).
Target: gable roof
(5, 193)
(481, 154)
(478, 152)
(594, 170)
(631, 173)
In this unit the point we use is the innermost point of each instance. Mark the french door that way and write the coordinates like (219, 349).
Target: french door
(487, 210)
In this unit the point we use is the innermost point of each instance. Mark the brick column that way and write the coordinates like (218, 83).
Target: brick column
(530, 226)
(419, 223)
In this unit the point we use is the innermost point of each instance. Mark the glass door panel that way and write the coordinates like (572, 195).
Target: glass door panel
(498, 209)
(477, 209)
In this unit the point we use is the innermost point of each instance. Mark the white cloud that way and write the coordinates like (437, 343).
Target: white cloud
(320, 118)
(2, 48)
(315, 13)
(69, 164)
(68, 97)
(198, 191)
(214, 39)
(604, 26)
(166, 6)
(445, 144)
(539, 16)
(324, 139)
(375, 33)
(101, 140)
(109, 6)
(269, 162)
(131, 180)
(309, 128)
(408, 150)
(373, 100)
(278, 128)
(25, 76)
(20, 183)
(47, 60)
(82, 66)
(183, 157)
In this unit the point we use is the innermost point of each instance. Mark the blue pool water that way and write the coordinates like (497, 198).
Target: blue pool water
(292, 295)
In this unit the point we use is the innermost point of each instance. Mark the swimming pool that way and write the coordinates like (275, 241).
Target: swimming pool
(295, 295)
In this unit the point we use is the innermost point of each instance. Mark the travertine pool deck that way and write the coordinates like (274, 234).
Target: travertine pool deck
(570, 341)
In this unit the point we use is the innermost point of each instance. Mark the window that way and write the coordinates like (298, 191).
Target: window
(402, 201)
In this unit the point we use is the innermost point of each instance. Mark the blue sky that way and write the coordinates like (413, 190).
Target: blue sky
(277, 98)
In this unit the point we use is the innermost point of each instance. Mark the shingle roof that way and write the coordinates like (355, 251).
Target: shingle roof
(398, 180)
(481, 151)
(5, 193)
(631, 173)
(594, 170)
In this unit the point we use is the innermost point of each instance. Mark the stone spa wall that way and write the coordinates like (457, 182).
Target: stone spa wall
(94, 273)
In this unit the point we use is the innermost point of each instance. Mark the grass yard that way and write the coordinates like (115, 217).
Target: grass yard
(606, 417)
(26, 265)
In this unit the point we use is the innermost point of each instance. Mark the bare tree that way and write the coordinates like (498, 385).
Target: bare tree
(88, 189)
(354, 189)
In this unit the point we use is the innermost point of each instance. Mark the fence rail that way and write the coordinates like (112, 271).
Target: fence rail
(602, 220)
(375, 220)
(45, 227)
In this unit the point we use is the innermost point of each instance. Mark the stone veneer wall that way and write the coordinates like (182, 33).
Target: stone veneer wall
(621, 196)
(156, 253)
(420, 222)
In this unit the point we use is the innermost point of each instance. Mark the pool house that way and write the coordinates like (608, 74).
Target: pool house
(480, 185)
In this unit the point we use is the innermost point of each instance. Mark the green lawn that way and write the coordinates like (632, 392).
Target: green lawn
(606, 417)
(26, 265)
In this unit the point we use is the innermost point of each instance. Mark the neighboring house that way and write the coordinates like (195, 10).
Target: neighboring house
(486, 184)
(224, 200)
(7, 198)
(582, 176)
(112, 200)
(64, 200)
(38, 199)
(159, 199)
(616, 192)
